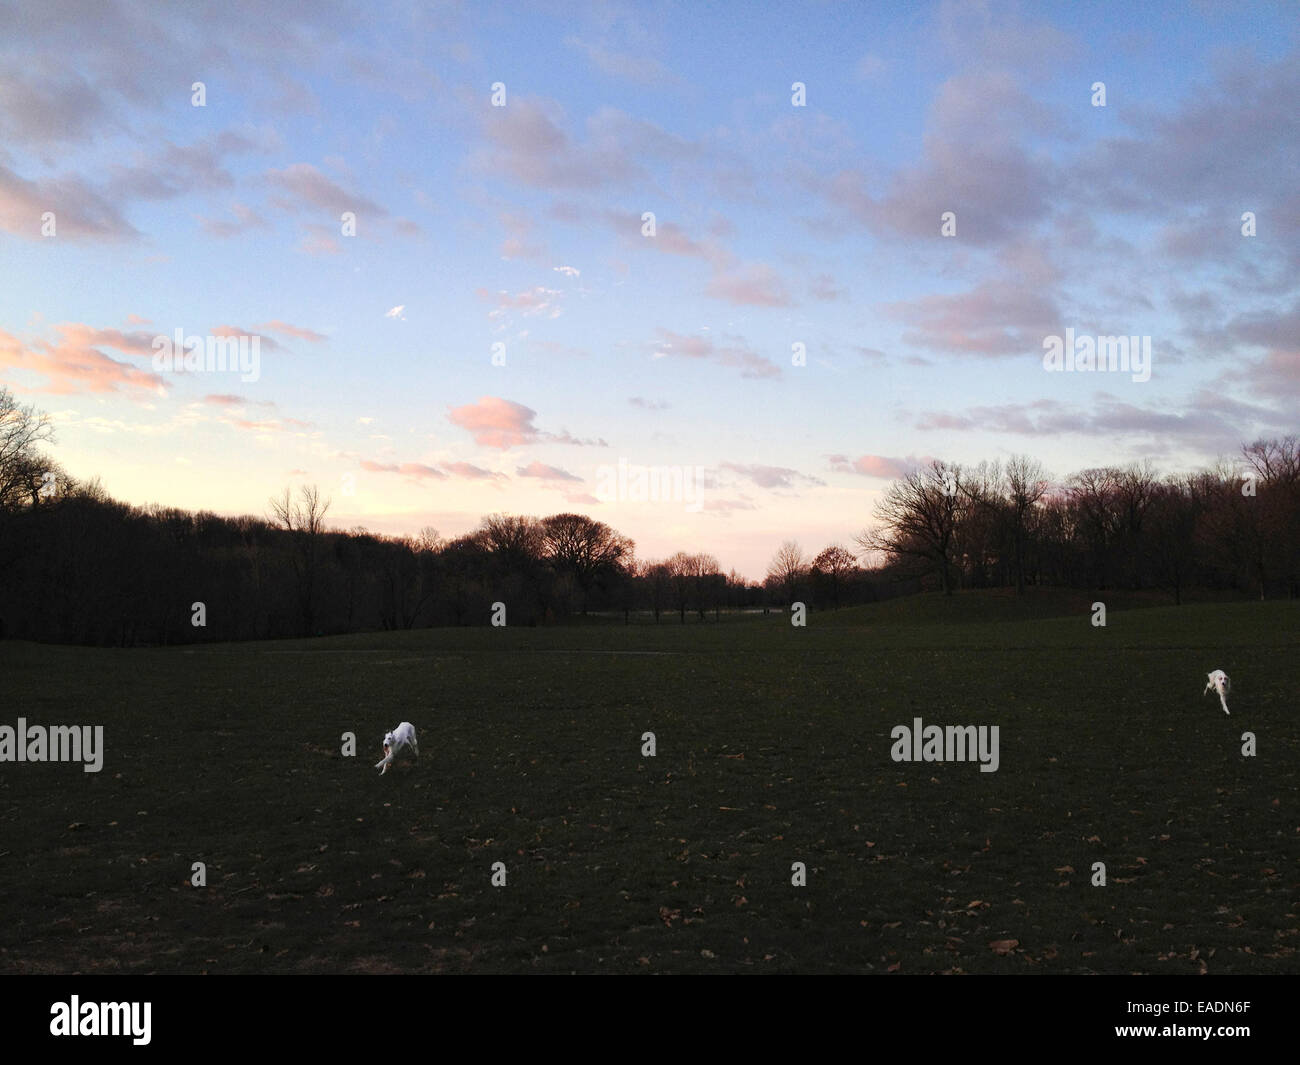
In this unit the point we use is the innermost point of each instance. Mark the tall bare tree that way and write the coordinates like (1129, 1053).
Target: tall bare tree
(514, 539)
(305, 519)
(1171, 526)
(705, 574)
(918, 519)
(588, 550)
(786, 568)
(681, 577)
(657, 580)
(1275, 466)
(1093, 495)
(1136, 487)
(22, 467)
(1025, 486)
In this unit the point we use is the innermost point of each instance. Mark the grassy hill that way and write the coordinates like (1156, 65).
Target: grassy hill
(773, 747)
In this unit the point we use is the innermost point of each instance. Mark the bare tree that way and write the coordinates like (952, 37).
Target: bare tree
(705, 572)
(305, 522)
(1275, 460)
(1136, 486)
(514, 539)
(681, 576)
(22, 467)
(1275, 466)
(588, 550)
(786, 568)
(982, 525)
(657, 579)
(1172, 529)
(918, 516)
(1025, 486)
(1093, 496)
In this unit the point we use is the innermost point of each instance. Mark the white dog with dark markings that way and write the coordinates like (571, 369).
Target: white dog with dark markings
(400, 739)
(1219, 682)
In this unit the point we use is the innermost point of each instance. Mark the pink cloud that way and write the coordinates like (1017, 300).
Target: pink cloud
(416, 470)
(771, 476)
(881, 466)
(471, 472)
(269, 425)
(502, 423)
(496, 422)
(546, 473)
(74, 364)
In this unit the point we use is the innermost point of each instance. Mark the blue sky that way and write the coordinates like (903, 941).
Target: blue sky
(521, 225)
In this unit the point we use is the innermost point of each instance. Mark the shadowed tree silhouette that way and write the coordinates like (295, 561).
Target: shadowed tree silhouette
(305, 520)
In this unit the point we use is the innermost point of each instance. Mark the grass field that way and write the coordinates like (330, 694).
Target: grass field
(773, 747)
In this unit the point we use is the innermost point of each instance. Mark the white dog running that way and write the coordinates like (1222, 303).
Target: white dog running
(1219, 682)
(401, 738)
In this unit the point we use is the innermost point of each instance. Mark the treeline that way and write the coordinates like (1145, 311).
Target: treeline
(77, 566)
(1230, 528)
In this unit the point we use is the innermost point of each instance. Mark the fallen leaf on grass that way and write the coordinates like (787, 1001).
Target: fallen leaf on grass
(1003, 946)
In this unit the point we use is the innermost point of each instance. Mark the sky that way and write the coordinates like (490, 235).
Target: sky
(489, 255)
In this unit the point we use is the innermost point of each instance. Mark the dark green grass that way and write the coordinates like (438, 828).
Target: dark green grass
(773, 747)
